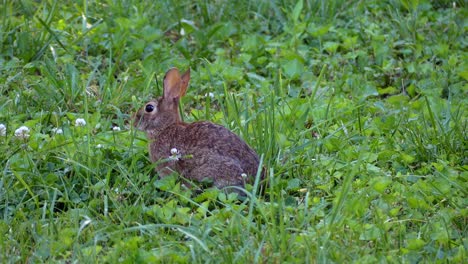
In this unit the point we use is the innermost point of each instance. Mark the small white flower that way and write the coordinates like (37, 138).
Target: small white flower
(22, 132)
(2, 130)
(244, 176)
(182, 32)
(80, 122)
(57, 131)
(116, 128)
(211, 95)
(174, 151)
(98, 146)
(175, 155)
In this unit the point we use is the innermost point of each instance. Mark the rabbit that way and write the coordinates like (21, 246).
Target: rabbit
(197, 151)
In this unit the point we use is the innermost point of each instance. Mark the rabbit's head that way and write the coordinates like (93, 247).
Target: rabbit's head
(160, 113)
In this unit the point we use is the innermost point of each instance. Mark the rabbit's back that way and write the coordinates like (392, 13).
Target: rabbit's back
(205, 150)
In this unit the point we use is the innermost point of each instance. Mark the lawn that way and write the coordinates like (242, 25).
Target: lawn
(358, 110)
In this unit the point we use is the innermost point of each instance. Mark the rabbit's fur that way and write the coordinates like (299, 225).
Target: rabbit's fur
(197, 151)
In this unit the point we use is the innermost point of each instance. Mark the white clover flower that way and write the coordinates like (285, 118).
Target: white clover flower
(210, 94)
(175, 155)
(244, 176)
(174, 151)
(22, 132)
(80, 122)
(116, 128)
(57, 131)
(2, 130)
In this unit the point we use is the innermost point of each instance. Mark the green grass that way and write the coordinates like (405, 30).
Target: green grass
(358, 108)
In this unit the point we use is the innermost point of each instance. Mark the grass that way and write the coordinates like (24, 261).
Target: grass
(358, 109)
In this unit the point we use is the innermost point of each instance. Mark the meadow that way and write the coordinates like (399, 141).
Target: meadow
(358, 110)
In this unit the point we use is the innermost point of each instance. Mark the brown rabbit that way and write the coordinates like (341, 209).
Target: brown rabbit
(197, 151)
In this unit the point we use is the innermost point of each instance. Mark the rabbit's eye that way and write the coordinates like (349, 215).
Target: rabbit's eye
(149, 108)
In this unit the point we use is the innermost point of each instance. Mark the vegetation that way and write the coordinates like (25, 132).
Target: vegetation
(358, 109)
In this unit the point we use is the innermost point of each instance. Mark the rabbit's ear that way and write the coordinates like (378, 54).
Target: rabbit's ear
(172, 84)
(184, 83)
